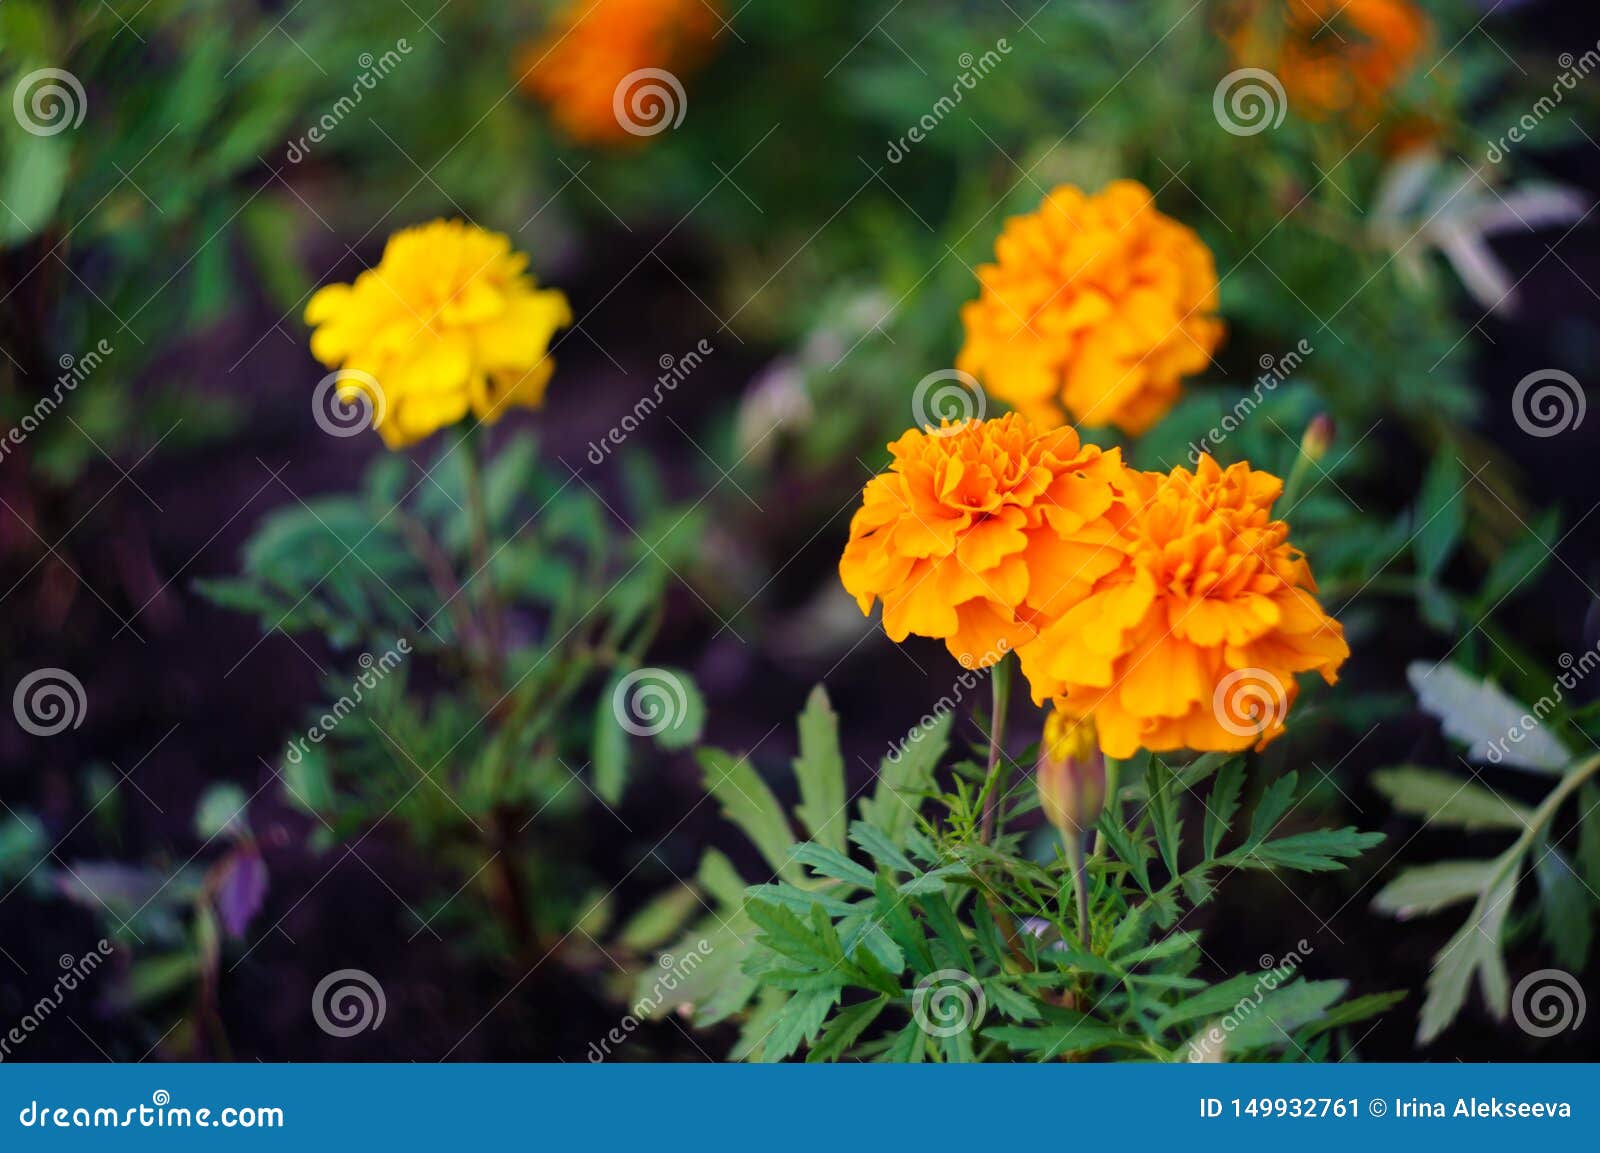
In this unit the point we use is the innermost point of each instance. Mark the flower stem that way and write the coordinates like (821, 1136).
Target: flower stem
(478, 510)
(1073, 843)
(1113, 810)
(995, 780)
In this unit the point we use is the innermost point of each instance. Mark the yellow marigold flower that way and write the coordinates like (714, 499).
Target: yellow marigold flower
(980, 531)
(1334, 57)
(580, 64)
(1097, 305)
(1195, 639)
(448, 323)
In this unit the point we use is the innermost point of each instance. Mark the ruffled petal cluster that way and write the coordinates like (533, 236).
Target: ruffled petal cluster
(577, 67)
(1095, 310)
(1195, 638)
(1334, 57)
(980, 532)
(448, 323)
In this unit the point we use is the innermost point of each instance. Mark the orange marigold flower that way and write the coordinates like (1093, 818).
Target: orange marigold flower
(1097, 305)
(579, 66)
(980, 531)
(1334, 57)
(1195, 639)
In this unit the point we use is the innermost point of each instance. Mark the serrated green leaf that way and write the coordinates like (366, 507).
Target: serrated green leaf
(1424, 889)
(1474, 950)
(819, 769)
(1440, 514)
(1566, 917)
(847, 1025)
(830, 863)
(903, 779)
(1482, 717)
(1277, 800)
(1317, 851)
(878, 846)
(749, 804)
(1224, 803)
(1445, 799)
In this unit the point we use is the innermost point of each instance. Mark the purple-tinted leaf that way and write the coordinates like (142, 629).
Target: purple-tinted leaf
(242, 890)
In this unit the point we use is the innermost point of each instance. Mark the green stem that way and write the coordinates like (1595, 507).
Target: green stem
(1073, 843)
(478, 510)
(995, 780)
(1113, 803)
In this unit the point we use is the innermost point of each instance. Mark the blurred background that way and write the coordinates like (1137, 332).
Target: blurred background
(803, 211)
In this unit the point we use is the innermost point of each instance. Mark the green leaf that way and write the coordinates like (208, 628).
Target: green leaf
(1224, 803)
(1317, 851)
(684, 709)
(748, 803)
(1164, 813)
(907, 1047)
(221, 809)
(1425, 889)
(904, 777)
(1519, 563)
(786, 934)
(1013, 1004)
(879, 847)
(1440, 515)
(1058, 1039)
(830, 863)
(1474, 950)
(1275, 802)
(661, 917)
(820, 771)
(1273, 1020)
(1486, 720)
(798, 1021)
(609, 747)
(847, 1025)
(1442, 798)
(35, 172)
(1566, 915)
(1589, 835)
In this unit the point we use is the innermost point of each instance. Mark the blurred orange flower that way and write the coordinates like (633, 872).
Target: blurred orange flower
(610, 70)
(1095, 309)
(1194, 640)
(1334, 57)
(979, 531)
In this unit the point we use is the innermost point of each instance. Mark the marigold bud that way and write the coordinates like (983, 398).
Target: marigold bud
(1071, 773)
(1318, 437)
